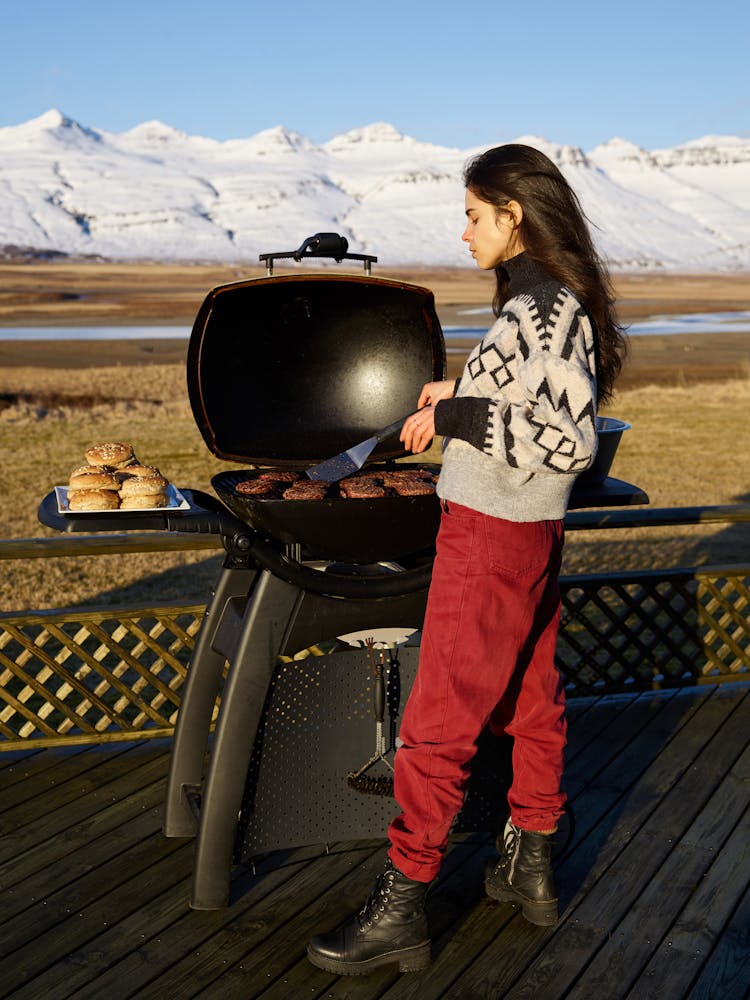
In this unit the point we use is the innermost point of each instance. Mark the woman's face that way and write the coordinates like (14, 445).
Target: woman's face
(492, 235)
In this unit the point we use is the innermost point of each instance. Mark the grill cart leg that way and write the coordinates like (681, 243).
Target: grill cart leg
(250, 672)
(199, 695)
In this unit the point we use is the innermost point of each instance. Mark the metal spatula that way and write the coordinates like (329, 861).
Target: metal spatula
(354, 458)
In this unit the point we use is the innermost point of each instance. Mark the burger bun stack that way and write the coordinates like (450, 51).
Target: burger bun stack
(114, 479)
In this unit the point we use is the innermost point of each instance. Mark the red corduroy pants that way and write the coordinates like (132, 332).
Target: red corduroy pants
(487, 658)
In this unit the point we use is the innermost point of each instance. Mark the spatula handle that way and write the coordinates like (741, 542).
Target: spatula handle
(396, 425)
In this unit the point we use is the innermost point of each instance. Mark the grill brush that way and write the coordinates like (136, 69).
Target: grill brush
(359, 780)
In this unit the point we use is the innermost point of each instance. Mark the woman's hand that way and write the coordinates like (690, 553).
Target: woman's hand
(433, 392)
(419, 430)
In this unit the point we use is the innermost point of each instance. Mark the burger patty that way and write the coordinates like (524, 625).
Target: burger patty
(360, 488)
(255, 487)
(414, 487)
(280, 476)
(306, 490)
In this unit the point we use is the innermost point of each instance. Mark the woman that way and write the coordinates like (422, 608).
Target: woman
(518, 427)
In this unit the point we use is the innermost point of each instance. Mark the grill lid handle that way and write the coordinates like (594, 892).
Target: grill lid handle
(320, 245)
(324, 245)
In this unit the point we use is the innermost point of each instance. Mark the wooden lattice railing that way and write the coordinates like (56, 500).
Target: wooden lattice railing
(93, 676)
(107, 674)
(657, 629)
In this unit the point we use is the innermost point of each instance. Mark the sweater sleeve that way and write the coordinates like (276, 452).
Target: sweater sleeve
(553, 428)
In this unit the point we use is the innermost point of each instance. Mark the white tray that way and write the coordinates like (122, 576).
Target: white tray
(176, 502)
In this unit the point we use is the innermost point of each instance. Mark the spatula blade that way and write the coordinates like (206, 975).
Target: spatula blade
(334, 469)
(354, 458)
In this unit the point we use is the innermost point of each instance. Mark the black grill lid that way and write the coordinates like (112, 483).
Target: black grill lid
(293, 369)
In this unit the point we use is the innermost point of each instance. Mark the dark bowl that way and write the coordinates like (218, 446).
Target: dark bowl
(609, 430)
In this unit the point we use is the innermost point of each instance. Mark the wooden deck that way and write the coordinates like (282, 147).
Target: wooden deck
(655, 887)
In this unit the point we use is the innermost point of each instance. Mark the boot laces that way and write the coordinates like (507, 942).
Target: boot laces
(510, 835)
(511, 844)
(375, 903)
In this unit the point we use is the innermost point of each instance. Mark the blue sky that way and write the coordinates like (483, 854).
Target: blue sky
(458, 74)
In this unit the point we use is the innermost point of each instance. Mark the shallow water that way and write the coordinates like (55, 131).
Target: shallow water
(718, 322)
(715, 322)
(20, 333)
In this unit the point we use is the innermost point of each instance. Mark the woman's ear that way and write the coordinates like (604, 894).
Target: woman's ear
(513, 208)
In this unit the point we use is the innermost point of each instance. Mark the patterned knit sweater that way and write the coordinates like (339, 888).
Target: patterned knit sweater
(522, 424)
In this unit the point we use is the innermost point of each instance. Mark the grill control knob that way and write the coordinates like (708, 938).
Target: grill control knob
(242, 543)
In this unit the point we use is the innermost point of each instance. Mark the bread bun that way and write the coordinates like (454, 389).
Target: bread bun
(141, 486)
(144, 500)
(137, 470)
(91, 468)
(93, 500)
(114, 453)
(94, 479)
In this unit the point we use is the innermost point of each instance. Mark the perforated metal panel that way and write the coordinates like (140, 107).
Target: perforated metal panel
(318, 726)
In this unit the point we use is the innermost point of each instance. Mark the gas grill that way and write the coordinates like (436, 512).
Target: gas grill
(283, 372)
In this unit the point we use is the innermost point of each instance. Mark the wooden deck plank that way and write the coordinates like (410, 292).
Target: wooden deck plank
(45, 769)
(55, 926)
(727, 972)
(689, 865)
(16, 764)
(715, 903)
(48, 865)
(642, 827)
(596, 724)
(76, 775)
(638, 714)
(51, 874)
(167, 929)
(624, 796)
(306, 979)
(247, 954)
(26, 832)
(300, 978)
(636, 861)
(164, 932)
(97, 898)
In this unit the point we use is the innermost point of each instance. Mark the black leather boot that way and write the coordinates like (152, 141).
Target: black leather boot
(390, 927)
(523, 875)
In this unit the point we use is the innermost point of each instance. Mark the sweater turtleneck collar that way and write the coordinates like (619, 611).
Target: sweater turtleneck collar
(523, 273)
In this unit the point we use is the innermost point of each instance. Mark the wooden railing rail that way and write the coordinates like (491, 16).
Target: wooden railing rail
(105, 544)
(652, 517)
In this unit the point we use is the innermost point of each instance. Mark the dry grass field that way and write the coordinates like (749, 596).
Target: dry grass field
(34, 294)
(687, 400)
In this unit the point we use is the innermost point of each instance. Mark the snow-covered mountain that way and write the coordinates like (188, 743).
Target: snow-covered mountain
(156, 193)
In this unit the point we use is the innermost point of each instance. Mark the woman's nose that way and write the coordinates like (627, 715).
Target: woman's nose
(465, 235)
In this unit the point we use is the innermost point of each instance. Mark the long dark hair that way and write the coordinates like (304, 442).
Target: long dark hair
(555, 233)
